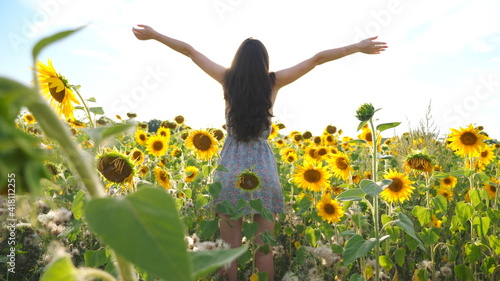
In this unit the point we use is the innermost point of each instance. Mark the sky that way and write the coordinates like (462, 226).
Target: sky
(443, 55)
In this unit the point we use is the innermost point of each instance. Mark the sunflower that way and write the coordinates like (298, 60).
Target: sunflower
(445, 192)
(76, 124)
(157, 145)
(279, 143)
(115, 167)
(274, 131)
(141, 137)
(340, 166)
(436, 222)
(163, 132)
(143, 170)
(485, 156)
(400, 188)
(328, 209)
(248, 181)
(191, 172)
(449, 182)
(203, 142)
(330, 129)
(291, 157)
(29, 119)
(56, 89)
(419, 162)
(467, 141)
(328, 139)
(179, 119)
(176, 152)
(312, 177)
(491, 189)
(137, 156)
(162, 177)
(311, 154)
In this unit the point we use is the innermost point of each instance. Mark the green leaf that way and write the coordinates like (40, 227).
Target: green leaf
(97, 110)
(494, 242)
(430, 236)
(208, 228)
(464, 212)
(214, 189)
(356, 277)
(256, 204)
(362, 124)
(144, 228)
(440, 203)
(423, 215)
(370, 187)
(481, 225)
(355, 194)
(385, 262)
(310, 236)
(61, 269)
(78, 204)
(304, 205)
(407, 225)
(40, 45)
(463, 272)
(385, 126)
(357, 247)
(92, 99)
(249, 229)
(205, 262)
(268, 238)
(400, 256)
(95, 258)
(473, 252)
(221, 168)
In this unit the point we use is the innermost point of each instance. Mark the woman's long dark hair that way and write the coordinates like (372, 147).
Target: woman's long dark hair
(247, 89)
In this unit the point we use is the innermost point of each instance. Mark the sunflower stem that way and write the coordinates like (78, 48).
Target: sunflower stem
(85, 106)
(375, 200)
(55, 129)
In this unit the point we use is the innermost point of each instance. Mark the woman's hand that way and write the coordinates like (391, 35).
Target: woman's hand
(144, 33)
(369, 46)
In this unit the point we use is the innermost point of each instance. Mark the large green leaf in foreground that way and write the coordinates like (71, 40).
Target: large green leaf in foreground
(144, 228)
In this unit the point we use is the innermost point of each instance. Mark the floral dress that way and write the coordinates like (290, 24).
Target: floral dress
(236, 157)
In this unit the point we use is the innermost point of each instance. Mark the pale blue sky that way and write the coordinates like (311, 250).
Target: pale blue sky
(445, 52)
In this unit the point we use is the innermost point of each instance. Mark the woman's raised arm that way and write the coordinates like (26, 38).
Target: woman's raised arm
(213, 69)
(289, 75)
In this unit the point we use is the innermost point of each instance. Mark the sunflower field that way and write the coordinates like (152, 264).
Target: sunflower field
(86, 196)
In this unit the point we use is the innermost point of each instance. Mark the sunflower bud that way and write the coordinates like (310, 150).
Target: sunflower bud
(248, 181)
(365, 112)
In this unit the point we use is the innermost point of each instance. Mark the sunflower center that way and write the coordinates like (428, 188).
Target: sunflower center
(493, 188)
(136, 155)
(322, 152)
(468, 138)
(58, 96)
(142, 137)
(329, 209)
(341, 163)
(157, 146)
(484, 154)
(29, 117)
(312, 176)
(202, 142)
(248, 182)
(312, 153)
(163, 176)
(163, 134)
(396, 185)
(369, 137)
(447, 181)
(114, 168)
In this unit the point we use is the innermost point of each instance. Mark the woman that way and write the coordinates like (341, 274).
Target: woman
(250, 91)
